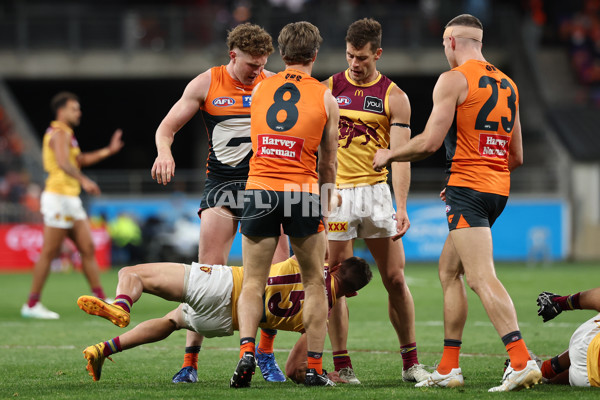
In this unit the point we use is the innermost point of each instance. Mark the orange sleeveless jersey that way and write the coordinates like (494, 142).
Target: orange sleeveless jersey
(288, 118)
(226, 114)
(477, 145)
(284, 296)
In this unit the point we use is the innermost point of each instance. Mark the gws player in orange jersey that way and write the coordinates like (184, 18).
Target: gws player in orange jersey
(476, 110)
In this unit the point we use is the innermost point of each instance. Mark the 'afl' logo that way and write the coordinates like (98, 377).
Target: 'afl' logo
(223, 102)
(448, 208)
(343, 101)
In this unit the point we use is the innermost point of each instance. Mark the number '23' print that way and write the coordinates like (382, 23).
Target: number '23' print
(482, 123)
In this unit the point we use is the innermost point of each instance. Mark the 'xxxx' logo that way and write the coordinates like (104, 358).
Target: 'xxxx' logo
(338, 226)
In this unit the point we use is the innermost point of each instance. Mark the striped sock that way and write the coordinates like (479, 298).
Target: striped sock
(124, 302)
(409, 355)
(341, 359)
(112, 346)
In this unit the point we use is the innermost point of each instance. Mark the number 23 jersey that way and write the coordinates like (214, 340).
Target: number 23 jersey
(477, 145)
(283, 298)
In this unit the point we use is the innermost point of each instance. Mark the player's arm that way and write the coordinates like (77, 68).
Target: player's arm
(399, 136)
(92, 157)
(448, 89)
(60, 145)
(181, 112)
(328, 151)
(515, 152)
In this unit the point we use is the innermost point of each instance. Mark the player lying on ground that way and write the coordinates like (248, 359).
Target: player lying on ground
(209, 295)
(579, 365)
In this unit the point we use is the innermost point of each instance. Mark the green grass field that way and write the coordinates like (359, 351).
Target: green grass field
(43, 359)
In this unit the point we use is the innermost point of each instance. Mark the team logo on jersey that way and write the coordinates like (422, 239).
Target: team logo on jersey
(373, 103)
(338, 226)
(349, 130)
(223, 102)
(246, 100)
(205, 269)
(343, 101)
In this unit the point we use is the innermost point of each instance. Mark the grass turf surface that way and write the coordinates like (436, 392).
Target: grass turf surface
(43, 359)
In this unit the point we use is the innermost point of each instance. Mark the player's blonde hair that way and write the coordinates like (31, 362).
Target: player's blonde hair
(299, 42)
(251, 39)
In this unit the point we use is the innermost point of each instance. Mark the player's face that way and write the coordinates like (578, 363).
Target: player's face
(71, 113)
(247, 67)
(362, 62)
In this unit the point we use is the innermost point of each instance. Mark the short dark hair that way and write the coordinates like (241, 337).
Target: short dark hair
(299, 42)
(60, 100)
(354, 274)
(364, 31)
(251, 39)
(465, 20)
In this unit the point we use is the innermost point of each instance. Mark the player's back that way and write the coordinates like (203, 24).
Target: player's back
(477, 146)
(287, 123)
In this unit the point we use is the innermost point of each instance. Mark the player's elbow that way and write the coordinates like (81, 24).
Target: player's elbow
(515, 161)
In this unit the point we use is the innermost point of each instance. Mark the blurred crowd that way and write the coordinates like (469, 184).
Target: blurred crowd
(19, 196)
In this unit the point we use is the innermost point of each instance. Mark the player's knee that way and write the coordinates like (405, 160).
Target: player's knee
(394, 283)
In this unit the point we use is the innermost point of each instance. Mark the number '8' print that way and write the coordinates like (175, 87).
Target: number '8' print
(280, 103)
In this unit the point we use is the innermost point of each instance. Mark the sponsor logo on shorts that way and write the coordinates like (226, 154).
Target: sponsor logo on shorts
(280, 146)
(373, 103)
(206, 270)
(223, 102)
(338, 226)
(246, 101)
(343, 101)
(493, 146)
(448, 208)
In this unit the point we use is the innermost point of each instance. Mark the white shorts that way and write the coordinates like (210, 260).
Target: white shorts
(366, 212)
(61, 211)
(578, 347)
(207, 299)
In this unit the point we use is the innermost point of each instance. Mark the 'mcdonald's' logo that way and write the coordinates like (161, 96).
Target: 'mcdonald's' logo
(223, 102)
(343, 101)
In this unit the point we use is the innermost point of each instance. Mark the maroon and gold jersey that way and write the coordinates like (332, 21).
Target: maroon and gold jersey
(283, 298)
(364, 127)
(477, 146)
(226, 113)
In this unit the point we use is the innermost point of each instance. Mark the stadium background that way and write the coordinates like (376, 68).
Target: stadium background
(129, 61)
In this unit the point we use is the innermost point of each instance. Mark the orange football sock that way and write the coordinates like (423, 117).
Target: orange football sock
(450, 355)
(316, 362)
(266, 341)
(247, 345)
(517, 351)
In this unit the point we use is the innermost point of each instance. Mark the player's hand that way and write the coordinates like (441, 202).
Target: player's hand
(163, 169)
(402, 224)
(335, 377)
(116, 144)
(549, 309)
(381, 159)
(443, 195)
(90, 186)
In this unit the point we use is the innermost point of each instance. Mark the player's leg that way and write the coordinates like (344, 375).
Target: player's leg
(310, 252)
(448, 372)
(257, 252)
(474, 247)
(149, 331)
(556, 369)
(53, 239)
(340, 250)
(81, 234)
(389, 257)
(164, 280)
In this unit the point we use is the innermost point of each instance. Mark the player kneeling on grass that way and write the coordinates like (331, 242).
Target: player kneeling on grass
(208, 296)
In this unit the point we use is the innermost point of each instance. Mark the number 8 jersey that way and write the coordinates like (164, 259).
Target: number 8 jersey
(287, 123)
(477, 145)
